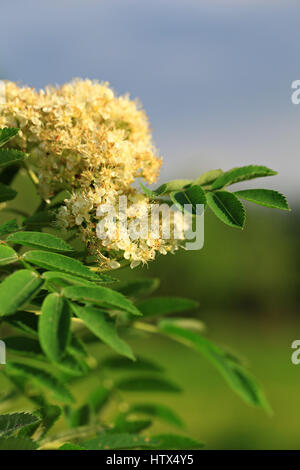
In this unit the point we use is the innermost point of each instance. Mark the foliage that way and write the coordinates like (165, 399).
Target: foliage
(54, 302)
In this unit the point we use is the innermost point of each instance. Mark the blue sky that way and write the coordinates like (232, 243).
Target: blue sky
(213, 75)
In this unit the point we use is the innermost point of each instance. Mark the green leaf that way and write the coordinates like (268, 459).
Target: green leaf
(149, 193)
(109, 440)
(227, 208)
(54, 326)
(40, 219)
(17, 443)
(147, 384)
(235, 175)
(130, 427)
(64, 279)
(24, 321)
(79, 417)
(158, 306)
(158, 411)
(121, 363)
(7, 255)
(8, 174)
(9, 423)
(72, 365)
(101, 296)
(41, 378)
(6, 193)
(175, 185)
(77, 347)
(174, 441)
(6, 134)
(70, 446)
(19, 382)
(39, 240)
(193, 195)
(36, 303)
(6, 396)
(49, 414)
(239, 380)
(264, 197)
(17, 290)
(138, 287)
(10, 157)
(166, 188)
(98, 398)
(28, 432)
(8, 227)
(208, 178)
(58, 262)
(24, 346)
(99, 323)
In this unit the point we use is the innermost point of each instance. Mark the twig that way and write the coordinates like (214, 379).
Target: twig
(145, 327)
(31, 174)
(78, 433)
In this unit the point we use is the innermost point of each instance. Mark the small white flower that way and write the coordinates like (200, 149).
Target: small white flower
(134, 264)
(114, 264)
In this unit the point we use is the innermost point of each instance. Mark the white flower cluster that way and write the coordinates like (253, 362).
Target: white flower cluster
(84, 138)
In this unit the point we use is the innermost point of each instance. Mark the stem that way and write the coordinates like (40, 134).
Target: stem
(31, 174)
(145, 327)
(78, 433)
